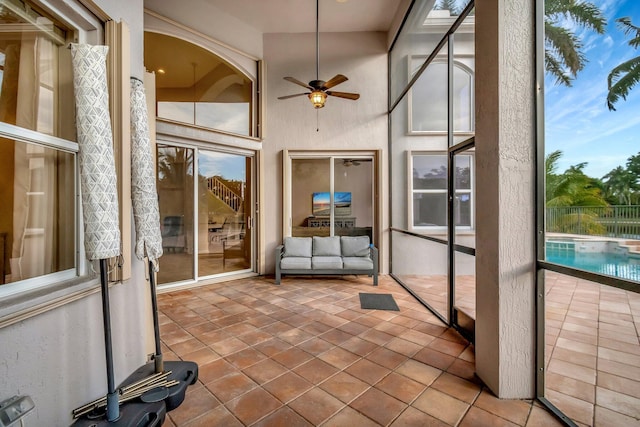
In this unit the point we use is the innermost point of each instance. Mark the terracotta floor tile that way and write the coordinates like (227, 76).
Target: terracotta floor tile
(228, 346)
(344, 386)
(606, 417)
(264, 371)
(315, 346)
(464, 369)
(336, 336)
(434, 358)
(569, 386)
(411, 417)
(287, 386)
(387, 358)
(231, 386)
(441, 406)
(202, 356)
(316, 328)
(316, 406)
(540, 417)
(315, 371)
(576, 409)
(349, 417)
(252, 406)
(574, 357)
(195, 404)
(339, 357)
(400, 387)
(215, 370)
(359, 346)
(218, 417)
(515, 411)
(367, 371)
(419, 371)
(272, 346)
(457, 387)
(245, 358)
(353, 328)
(478, 417)
(378, 406)
(571, 370)
(255, 337)
(283, 417)
(292, 357)
(376, 336)
(618, 402)
(401, 346)
(619, 384)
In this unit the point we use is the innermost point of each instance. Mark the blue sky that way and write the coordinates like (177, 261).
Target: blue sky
(577, 120)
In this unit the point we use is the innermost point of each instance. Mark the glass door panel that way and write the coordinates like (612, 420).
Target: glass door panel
(353, 197)
(175, 196)
(224, 206)
(310, 197)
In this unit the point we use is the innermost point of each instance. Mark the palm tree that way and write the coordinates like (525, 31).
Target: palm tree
(626, 75)
(619, 184)
(570, 189)
(563, 50)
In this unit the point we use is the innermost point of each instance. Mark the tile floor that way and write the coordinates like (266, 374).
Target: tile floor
(304, 354)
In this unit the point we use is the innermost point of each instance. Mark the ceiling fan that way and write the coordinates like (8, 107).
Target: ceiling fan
(319, 89)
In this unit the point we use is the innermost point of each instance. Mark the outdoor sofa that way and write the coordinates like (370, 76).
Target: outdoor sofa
(335, 255)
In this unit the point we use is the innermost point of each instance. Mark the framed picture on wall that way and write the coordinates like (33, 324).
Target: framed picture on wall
(341, 203)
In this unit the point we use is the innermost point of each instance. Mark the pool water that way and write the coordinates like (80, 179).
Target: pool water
(603, 263)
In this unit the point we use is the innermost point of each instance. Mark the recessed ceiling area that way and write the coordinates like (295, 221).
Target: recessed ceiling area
(298, 16)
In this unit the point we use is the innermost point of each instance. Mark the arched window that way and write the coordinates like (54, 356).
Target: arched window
(429, 98)
(195, 86)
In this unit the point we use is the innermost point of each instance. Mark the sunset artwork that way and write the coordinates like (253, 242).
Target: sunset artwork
(322, 203)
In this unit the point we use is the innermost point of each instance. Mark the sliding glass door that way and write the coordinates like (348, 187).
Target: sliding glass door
(206, 217)
(330, 195)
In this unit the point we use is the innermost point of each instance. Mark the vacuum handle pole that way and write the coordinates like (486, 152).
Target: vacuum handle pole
(159, 364)
(113, 405)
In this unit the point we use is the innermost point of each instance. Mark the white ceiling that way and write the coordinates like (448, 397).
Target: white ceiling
(298, 16)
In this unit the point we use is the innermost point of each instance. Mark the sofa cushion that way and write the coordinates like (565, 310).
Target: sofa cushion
(326, 246)
(326, 262)
(357, 263)
(297, 247)
(295, 263)
(354, 246)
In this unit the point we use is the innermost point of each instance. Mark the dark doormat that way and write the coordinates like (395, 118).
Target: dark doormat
(378, 302)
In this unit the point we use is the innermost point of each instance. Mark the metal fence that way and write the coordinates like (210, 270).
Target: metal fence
(611, 221)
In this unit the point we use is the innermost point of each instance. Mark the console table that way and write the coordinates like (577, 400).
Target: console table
(325, 221)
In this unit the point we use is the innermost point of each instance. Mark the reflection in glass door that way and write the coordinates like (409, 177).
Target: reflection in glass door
(224, 202)
(210, 217)
(175, 199)
(332, 196)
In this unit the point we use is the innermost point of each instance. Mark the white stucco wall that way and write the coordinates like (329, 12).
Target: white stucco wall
(57, 357)
(505, 160)
(343, 124)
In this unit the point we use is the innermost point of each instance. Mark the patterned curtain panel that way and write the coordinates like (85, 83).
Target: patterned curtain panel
(95, 140)
(143, 180)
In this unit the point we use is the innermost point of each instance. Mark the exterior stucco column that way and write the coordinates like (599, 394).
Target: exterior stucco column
(505, 209)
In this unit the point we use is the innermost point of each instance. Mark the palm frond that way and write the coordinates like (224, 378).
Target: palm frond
(628, 28)
(621, 80)
(565, 47)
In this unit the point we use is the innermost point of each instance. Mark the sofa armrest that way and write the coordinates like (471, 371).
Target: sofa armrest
(279, 254)
(373, 251)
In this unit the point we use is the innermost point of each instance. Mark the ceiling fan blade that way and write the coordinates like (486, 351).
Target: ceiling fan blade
(335, 81)
(298, 82)
(292, 96)
(345, 95)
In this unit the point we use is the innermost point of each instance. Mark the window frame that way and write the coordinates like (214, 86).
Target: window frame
(460, 61)
(26, 298)
(411, 191)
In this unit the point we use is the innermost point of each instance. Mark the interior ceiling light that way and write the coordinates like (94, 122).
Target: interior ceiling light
(318, 89)
(160, 71)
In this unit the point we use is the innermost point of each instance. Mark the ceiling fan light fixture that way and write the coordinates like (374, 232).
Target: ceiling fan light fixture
(317, 98)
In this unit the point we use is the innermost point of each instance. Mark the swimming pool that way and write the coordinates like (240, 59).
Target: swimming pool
(604, 263)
